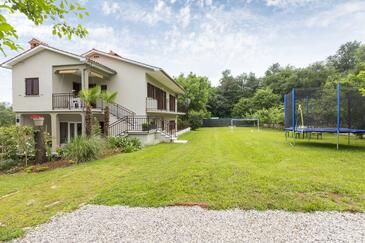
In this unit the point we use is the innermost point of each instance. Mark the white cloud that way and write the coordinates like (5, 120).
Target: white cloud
(340, 12)
(110, 8)
(288, 3)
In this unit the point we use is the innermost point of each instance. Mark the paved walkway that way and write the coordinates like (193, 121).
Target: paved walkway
(193, 224)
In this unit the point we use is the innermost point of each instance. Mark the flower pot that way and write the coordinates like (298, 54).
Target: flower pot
(38, 122)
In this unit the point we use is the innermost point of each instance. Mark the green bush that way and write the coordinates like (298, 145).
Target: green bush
(8, 164)
(195, 119)
(125, 144)
(82, 149)
(16, 142)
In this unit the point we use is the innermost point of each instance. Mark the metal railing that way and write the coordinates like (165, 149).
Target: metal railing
(152, 106)
(141, 124)
(119, 111)
(71, 101)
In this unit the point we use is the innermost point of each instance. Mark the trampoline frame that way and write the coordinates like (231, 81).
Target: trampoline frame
(338, 130)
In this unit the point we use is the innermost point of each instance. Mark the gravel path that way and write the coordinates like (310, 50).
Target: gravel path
(94, 223)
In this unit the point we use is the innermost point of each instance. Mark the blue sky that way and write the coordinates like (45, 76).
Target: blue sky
(208, 36)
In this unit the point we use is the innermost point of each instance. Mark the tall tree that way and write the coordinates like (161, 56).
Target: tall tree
(108, 98)
(345, 58)
(89, 96)
(196, 92)
(38, 11)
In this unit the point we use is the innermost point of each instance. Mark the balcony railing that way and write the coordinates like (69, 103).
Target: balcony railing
(71, 101)
(152, 105)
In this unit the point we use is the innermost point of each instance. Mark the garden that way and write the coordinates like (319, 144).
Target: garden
(240, 168)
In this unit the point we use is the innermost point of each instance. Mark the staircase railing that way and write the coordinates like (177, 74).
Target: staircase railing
(119, 111)
(119, 127)
(141, 124)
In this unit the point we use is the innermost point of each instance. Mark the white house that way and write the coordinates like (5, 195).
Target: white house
(46, 82)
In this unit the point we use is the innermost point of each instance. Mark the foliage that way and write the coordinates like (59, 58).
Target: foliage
(196, 92)
(272, 116)
(89, 96)
(125, 144)
(7, 164)
(195, 119)
(263, 99)
(16, 142)
(7, 116)
(223, 167)
(345, 58)
(230, 90)
(39, 11)
(82, 149)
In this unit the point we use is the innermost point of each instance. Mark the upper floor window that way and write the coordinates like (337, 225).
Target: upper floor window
(32, 86)
(172, 103)
(157, 94)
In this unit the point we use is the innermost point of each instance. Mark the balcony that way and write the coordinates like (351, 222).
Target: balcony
(71, 101)
(155, 106)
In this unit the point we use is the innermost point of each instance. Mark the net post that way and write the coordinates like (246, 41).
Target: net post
(284, 110)
(338, 113)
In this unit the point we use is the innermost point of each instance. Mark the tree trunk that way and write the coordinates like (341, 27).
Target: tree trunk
(106, 121)
(40, 152)
(88, 120)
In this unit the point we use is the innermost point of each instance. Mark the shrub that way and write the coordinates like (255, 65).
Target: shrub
(16, 142)
(8, 164)
(82, 149)
(195, 119)
(125, 144)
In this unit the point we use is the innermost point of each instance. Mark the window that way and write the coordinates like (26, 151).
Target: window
(31, 86)
(157, 94)
(172, 103)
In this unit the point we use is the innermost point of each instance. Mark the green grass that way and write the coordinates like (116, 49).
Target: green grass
(223, 167)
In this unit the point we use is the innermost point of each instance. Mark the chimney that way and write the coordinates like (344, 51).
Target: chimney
(113, 54)
(34, 43)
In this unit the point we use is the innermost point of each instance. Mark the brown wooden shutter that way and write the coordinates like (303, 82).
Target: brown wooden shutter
(28, 86)
(31, 86)
(35, 88)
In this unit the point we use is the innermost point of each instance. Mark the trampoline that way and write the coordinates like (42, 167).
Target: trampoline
(324, 110)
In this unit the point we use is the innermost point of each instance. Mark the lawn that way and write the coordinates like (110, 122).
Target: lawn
(222, 167)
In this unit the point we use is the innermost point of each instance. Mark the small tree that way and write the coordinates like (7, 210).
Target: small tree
(108, 98)
(89, 96)
(25, 141)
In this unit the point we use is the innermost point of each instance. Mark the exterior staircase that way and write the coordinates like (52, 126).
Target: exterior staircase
(124, 121)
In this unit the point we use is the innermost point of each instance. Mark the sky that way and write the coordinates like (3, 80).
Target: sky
(206, 36)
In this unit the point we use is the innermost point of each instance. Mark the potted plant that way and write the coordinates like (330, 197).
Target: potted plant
(38, 120)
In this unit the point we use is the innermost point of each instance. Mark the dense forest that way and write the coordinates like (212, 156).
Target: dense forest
(247, 95)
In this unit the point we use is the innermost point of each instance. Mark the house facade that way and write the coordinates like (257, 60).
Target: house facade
(46, 82)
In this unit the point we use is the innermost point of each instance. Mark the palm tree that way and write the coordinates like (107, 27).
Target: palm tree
(89, 96)
(108, 98)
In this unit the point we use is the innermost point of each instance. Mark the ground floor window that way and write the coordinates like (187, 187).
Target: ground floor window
(69, 130)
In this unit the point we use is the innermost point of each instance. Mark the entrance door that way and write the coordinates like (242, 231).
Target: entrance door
(172, 126)
(63, 132)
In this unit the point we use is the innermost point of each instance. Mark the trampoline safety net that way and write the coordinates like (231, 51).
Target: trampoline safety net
(325, 110)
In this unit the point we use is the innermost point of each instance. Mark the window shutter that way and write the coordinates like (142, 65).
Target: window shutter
(31, 86)
(35, 86)
(28, 87)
